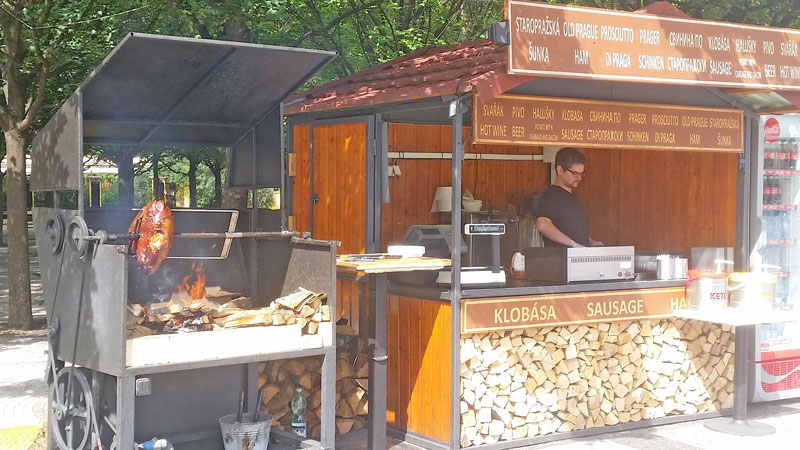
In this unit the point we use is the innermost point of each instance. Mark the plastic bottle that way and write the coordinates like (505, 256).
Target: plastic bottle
(298, 413)
(156, 444)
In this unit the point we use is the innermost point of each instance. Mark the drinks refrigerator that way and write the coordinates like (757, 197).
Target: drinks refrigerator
(775, 348)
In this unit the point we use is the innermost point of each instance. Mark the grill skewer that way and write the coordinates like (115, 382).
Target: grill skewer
(79, 235)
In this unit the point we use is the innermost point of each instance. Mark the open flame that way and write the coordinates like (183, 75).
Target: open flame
(191, 287)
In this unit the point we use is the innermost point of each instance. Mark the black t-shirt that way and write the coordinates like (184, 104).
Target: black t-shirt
(566, 212)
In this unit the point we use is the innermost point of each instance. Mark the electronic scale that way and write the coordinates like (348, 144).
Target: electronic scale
(481, 275)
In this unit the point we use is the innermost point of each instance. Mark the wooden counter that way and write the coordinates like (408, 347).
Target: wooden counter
(553, 378)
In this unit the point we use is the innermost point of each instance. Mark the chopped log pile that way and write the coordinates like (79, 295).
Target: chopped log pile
(280, 379)
(218, 310)
(538, 381)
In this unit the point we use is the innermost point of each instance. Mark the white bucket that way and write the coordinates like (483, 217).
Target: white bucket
(707, 292)
(246, 435)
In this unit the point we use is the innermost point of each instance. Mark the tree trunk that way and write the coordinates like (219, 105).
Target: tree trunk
(234, 198)
(2, 210)
(20, 315)
(192, 183)
(158, 186)
(217, 186)
(125, 176)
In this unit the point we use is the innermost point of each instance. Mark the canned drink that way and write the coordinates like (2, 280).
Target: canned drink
(785, 190)
(680, 268)
(664, 267)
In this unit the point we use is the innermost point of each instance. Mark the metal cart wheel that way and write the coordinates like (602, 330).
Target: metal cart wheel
(78, 235)
(71, 415)
(54, 233)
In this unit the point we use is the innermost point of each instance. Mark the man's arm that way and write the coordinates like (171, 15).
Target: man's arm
(546, 226)
(594, 243)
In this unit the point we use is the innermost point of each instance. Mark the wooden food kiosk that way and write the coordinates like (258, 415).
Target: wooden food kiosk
(668, 125)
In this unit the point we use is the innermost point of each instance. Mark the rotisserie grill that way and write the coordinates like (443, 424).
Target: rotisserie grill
(158, 320)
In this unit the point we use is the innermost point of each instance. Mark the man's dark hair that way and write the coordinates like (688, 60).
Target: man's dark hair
(568, 156)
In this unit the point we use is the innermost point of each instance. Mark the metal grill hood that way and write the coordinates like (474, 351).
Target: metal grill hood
(153, 89)
(164, 90)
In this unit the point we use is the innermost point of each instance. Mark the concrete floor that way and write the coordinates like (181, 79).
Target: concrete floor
(23, 400)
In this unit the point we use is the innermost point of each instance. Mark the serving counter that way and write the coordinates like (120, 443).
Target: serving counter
(540, 361)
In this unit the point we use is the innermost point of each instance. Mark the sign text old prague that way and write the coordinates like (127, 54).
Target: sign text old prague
(569, 41)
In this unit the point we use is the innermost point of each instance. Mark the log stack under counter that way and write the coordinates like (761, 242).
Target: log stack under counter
(538, 381)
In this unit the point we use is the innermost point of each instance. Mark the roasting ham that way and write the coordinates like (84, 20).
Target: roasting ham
(155, 227)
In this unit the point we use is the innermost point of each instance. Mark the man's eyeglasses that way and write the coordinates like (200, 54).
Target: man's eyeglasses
(577, 174)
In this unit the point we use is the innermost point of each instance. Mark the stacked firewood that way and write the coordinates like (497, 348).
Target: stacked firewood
(538, 381)
(220, 310)
(279, 380)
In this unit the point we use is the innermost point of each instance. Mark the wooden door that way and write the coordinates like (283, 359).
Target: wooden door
(338, 182)
(329, 194)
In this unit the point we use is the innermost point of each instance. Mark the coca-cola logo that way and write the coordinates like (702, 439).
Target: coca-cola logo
(772, 130)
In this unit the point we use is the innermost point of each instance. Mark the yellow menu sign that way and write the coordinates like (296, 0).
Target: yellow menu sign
(527, 120)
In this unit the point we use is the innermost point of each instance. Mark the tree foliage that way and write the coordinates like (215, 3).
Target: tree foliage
(47, 47)
(40, 41)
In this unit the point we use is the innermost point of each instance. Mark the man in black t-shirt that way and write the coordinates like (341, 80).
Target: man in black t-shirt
(562, 221)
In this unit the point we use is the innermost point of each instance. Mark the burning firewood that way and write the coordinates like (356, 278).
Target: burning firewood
(249, 318)
(239, 303)
(191, 309)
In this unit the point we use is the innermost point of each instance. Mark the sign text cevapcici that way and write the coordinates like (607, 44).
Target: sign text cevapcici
(566, 41)
(527, 120)
(507, 313)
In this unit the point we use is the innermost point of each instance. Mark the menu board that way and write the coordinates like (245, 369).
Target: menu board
(528, 120)
(578, 42)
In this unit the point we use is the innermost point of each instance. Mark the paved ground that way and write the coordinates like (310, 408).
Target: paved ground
(784, 416)
(23, 401)
(23, 355)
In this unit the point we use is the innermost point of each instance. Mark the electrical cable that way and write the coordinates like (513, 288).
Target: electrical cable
(69, 24)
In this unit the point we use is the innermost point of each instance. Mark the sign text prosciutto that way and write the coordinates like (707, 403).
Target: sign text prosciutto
(578, 42)
(520, 120)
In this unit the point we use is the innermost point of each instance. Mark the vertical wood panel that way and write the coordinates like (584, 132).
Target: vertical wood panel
(443, 383)
(393, 348)
(656, 201)
(338, 179)
(300, 182)
(404, 371)
(668, 201)
(421, 349)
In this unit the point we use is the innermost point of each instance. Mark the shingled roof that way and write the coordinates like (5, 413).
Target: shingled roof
(428, 72)
(478, 66)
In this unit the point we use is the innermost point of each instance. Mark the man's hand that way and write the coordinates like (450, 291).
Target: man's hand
(547, 228)
(594, 243)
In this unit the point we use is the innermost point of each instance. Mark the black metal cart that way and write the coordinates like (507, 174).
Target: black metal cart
(106, 389)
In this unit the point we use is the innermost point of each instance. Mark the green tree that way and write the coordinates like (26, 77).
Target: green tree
(124, 157)
(184, 162)
(214, 160)
(39, 41)
(774, 13)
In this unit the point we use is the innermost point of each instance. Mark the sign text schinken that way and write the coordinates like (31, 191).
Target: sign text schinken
(513, 119)
(568, 41)
(507, 313)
